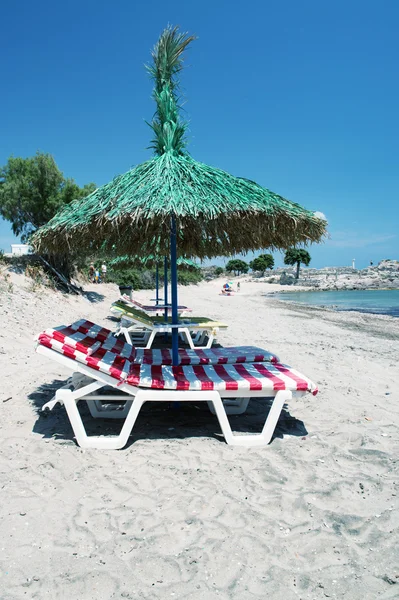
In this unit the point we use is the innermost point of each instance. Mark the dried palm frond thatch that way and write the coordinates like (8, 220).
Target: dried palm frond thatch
(215, 213)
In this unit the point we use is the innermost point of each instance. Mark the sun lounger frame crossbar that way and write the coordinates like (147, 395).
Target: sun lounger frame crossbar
(195, 340)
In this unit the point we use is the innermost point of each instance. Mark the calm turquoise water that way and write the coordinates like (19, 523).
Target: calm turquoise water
(383, 302)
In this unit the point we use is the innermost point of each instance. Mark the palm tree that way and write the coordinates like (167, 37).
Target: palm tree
(297, 256)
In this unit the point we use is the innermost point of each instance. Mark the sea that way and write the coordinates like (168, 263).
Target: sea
(380, 302)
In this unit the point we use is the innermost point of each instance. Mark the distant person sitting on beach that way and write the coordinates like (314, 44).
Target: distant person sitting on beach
(103, 272)
(227, 290)
(91, 273)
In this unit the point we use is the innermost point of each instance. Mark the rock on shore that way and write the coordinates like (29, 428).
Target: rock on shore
(385, 275)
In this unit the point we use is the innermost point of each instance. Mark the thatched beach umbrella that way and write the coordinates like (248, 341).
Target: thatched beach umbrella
(173, 204)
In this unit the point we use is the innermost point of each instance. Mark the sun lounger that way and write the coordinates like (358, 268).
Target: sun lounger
(150, 309)
(193, 330)
(132, 376)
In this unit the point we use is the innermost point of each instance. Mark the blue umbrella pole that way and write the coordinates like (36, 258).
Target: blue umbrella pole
(156, 285)
(165, 290)
(175, 316)
(165, 283)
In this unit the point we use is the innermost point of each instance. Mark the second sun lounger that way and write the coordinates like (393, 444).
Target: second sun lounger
(150, 309)
(194, 330)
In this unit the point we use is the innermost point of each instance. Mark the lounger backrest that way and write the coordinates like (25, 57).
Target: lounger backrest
(91, 329)
(70, 337)
(101, 359)
(134, 313)
(138, 304)
(131, 303)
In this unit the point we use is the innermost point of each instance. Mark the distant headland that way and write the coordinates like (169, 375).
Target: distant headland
(385, 275)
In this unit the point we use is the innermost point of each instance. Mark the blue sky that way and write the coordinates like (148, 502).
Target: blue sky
(300, 96)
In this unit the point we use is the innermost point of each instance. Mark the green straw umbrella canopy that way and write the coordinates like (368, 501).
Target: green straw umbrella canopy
(173, 204)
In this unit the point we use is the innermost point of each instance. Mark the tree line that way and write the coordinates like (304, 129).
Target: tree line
(292, 257)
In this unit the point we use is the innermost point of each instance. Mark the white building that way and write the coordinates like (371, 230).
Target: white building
(20, 249)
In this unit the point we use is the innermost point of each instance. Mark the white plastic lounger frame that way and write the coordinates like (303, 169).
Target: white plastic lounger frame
(131, 406)
(195, 339)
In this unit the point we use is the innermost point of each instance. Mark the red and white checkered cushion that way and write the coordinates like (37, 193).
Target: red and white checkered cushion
(101, 360)
(120, 347)
(87, 338)
(91, 329)
(110, 363)
(70, 337)
(211, 356)
(87, 334)
(254, 377)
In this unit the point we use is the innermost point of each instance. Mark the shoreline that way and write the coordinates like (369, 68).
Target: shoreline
(393, 313)
(314, 308)
(302, 288)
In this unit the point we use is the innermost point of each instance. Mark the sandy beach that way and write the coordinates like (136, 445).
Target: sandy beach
(178, 513)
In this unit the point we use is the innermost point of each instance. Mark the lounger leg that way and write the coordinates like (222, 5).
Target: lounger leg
(124, 331)
(104, 443)
(150, 339)
(265, 436)
(203, 337)
(196, 340)
(196, 337)
(186, 334)
(210, 341)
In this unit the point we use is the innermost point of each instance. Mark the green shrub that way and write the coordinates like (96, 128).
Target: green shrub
(144, 279)
(188, 277)
(125, 277)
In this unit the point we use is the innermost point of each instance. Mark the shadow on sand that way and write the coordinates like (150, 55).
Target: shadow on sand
(113, 319)
(93, 297)
(158, 420)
